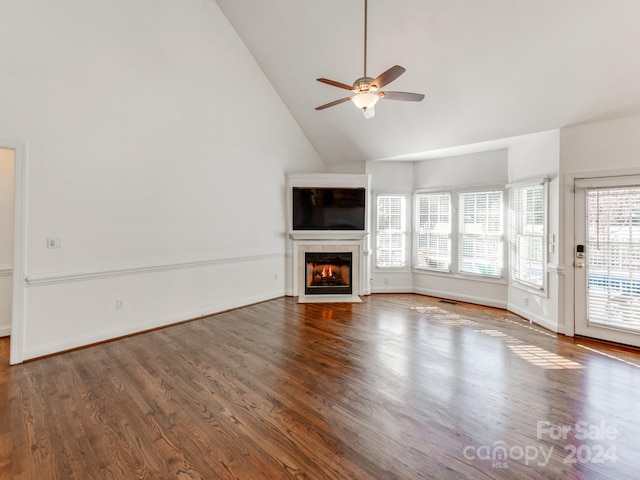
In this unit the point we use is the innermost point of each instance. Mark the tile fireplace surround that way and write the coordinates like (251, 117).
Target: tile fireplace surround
(301, 242)
(299, 265)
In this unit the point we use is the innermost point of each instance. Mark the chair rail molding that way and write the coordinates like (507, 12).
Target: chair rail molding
(35, 279)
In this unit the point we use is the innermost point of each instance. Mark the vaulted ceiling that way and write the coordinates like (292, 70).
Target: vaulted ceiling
(490, 69)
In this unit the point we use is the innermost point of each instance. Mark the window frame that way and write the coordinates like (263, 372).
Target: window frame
(514, 229)
(417, 231)
(454, 271)
(403, 230)
(461, 235)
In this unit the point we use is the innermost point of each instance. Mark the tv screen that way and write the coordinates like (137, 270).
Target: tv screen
(328, 208)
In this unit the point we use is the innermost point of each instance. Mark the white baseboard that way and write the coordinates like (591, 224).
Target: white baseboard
(487, 302)
(141, 327)
(393, 289)
(5, 330)
(538, 320)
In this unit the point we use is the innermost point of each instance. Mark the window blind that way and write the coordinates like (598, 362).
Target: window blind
(391, 231)
(481, 233)
(528, 263)
(613, 257)
(433, 232)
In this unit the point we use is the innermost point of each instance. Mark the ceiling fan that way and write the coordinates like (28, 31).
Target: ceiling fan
(366, 90)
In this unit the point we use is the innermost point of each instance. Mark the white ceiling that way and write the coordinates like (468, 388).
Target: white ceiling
(490, 69)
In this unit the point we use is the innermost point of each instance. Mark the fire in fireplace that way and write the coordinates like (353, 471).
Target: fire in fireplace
(328, 273)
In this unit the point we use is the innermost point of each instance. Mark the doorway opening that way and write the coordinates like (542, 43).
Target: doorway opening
(14, 269)
(7, 182)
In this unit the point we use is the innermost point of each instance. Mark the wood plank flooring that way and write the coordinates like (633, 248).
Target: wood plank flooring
(398, 387)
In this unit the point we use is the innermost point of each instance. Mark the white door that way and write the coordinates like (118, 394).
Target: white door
(607, 258)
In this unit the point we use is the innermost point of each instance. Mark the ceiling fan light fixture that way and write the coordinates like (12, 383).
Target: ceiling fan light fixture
(366, 92)
(365, 100)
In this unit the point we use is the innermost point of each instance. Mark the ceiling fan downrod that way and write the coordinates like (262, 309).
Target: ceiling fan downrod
(365, 39)
(363, 84)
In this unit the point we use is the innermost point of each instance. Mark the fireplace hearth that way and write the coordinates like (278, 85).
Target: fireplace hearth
(328, 273)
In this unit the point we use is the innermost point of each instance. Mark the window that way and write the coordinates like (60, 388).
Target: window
(528, 246)
(613, 257)
(391, 231)
(480, 249)
(433, 231)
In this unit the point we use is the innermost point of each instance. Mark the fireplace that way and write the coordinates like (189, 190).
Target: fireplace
(328, 273)
(338, 269)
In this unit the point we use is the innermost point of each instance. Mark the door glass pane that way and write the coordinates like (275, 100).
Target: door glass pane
(613, 257)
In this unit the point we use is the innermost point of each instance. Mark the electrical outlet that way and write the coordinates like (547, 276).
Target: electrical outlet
(54, 242)
(386, 280)
(119, 304)
(526, 301)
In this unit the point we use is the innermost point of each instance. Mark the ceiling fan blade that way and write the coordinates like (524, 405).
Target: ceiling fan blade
(406, 96)
(335, 102)
(388, 76)
(335, 84)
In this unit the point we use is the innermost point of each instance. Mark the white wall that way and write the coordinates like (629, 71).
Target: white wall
(347, 168)
(533, 158)
(483, 168)
(475, 169)
(6, 239)
(157, 152)
(610, 147)
(391, 178)
(601, 147)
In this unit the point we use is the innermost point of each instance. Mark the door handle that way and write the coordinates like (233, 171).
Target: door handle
(579, 264)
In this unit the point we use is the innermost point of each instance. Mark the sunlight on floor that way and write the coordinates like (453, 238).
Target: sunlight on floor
(445, 317)
(608, 355)
(542, 358)
(494, 333)
(535, 355)
(532, 354)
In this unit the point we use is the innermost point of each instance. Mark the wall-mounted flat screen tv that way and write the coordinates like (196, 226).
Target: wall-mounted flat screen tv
(328, 208)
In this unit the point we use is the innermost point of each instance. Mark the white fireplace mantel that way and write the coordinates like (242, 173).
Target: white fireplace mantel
(322, 235)
(355, 241)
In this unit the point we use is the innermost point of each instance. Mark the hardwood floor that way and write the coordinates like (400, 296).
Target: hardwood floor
(398, 387)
